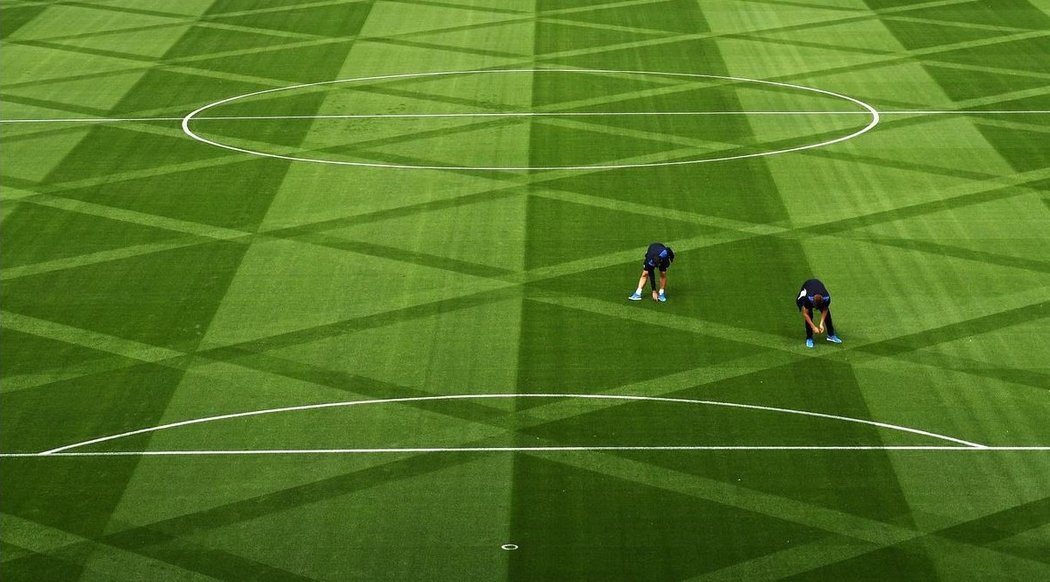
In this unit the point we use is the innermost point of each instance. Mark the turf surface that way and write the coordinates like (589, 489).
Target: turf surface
(405, 236)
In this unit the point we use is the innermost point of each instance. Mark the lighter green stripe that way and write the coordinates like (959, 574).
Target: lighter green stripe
(287, 8)
(805, 514)
(66, 372)
(590, 7)
(957, 23)
(751, 228)
(668, 319)
(105, 560)
(34, 536)
(809, 515)
(598, 26)
(944, 48)
(194, 228)
(678, 140)
(1006, 123)
(1001, 97)
(596, 262)
(699, 487)
(794, 560)
(992, 70)
(922, 6)
(10, 273)
(661, 386)
(86, 338)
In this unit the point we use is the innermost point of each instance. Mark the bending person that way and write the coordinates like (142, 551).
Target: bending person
(814, 295)
(657, 256)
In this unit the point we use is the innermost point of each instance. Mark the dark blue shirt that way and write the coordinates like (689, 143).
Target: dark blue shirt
(657, 256)
(810, 289)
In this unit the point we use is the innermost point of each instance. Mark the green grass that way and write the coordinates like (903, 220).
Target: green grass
(151, 279)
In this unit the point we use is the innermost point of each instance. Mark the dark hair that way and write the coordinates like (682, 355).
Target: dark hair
(818, 301)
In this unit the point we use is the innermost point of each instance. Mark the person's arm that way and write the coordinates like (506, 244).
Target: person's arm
(652, 282)
(663, 285)
(823, 316)
(809, 321)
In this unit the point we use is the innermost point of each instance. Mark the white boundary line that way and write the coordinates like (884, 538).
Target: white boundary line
(91, 120)
(192, 115)
(969, 112)
(515, 114)
(362, 451)
(508, 396)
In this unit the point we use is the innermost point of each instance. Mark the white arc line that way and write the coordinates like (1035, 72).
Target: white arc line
(507, 396)
(193, 115)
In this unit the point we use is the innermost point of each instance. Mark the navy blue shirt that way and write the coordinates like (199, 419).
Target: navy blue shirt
(657, 256)
(810, 289)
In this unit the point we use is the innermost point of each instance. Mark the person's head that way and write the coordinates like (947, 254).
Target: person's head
(666, 257)
(818, 301)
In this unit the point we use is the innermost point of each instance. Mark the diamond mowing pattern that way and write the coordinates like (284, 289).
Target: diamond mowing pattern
(229, 559)
(239, 511)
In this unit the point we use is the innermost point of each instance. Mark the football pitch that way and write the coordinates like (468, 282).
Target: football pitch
(337, 290)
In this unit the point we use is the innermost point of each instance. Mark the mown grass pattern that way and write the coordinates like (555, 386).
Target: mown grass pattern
(148, 278)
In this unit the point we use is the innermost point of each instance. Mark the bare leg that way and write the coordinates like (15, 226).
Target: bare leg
(641, 282)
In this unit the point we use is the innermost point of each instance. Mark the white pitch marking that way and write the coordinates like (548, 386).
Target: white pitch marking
(505, 396)
(552, 449)
(193, 115)
(91, 120)
(529, 114)
(968, 112)
(515, 114)
(429, 115)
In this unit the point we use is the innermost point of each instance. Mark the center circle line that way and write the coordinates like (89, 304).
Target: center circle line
(195, 113)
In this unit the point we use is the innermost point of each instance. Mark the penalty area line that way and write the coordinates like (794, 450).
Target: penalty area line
(551, 449)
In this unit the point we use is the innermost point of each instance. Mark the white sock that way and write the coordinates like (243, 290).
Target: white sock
(661, 291)
(638, 291)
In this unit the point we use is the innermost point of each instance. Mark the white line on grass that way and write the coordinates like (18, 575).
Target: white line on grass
(550, 449)
(515, 114)
(510, 396)
(91, 120)
(863, 106)
(967, 112)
